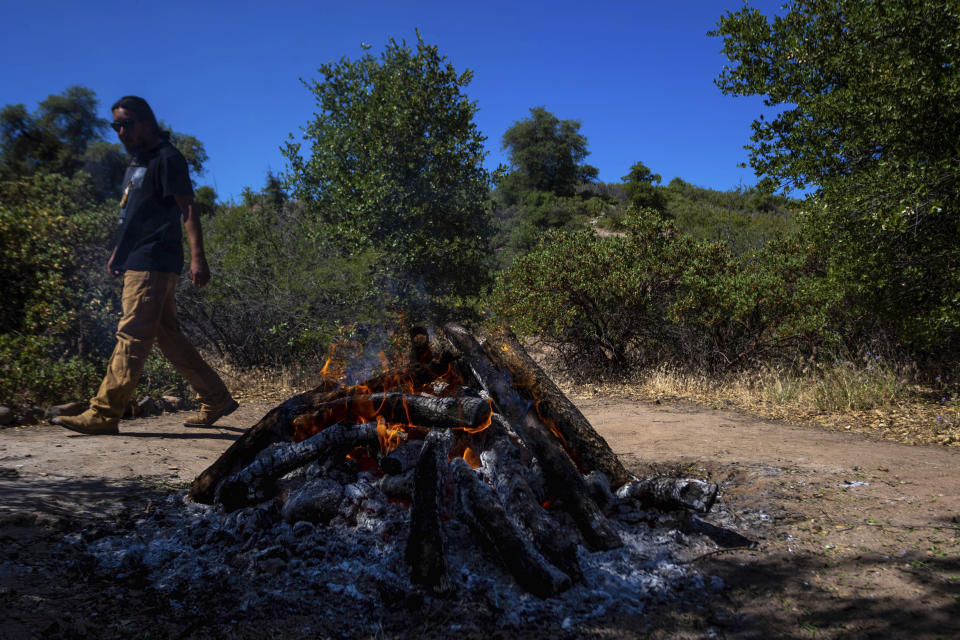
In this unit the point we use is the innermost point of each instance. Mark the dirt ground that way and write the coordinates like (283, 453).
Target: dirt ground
(858, 538)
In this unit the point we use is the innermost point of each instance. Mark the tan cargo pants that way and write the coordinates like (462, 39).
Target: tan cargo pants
(150, 314)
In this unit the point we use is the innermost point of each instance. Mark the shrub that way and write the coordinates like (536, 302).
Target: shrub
(281, 289)
(611, 305)
(60, 306)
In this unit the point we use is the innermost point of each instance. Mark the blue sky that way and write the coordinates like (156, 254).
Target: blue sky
(638, 75)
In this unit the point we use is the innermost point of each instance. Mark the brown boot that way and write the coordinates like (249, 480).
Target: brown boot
(209, 415)
(90, 422)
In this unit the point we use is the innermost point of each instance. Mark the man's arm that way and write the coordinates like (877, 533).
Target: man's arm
(199, 270)
(116, 273)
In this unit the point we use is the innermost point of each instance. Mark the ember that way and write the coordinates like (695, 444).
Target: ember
(477, 436)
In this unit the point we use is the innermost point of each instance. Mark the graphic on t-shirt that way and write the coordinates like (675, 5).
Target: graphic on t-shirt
(134, 181)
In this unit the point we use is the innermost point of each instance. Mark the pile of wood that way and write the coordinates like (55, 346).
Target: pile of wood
(475, 430)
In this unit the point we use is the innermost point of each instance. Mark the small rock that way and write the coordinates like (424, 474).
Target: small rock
(170, 403)
(31, 416)
(6, 416)
(68, 409)
(147, 407)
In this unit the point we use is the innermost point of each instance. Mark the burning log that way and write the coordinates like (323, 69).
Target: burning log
(562, 476)
(671, 493)
(424, 553)
(553, 407)
(399, 408)
(487, 516)
(254, 482)
(277, 425)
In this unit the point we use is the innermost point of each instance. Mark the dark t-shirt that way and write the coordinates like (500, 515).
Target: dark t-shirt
(150, 236)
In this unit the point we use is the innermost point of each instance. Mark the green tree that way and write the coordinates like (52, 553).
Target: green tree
(65, 135)
(52, 140)
(193, 150)
(274, 190)
(105, 163)
(395, 165)
(545, 187)
(869, 117)
(205, 200)
(284, 287)
(641, 185)
(547, 154)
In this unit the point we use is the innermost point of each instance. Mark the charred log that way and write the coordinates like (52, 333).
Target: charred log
(255, 481)
(317, 501)
(533, 463)
(401, 459)
(600, 491)
(486, 515)
(420, 350)
(671, 493)
(562, 476)
(418, 410)
(278, 424)
(506, 473)
(425, 548)
(554, 408)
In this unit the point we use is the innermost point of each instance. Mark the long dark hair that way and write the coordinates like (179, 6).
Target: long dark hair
(139, 107)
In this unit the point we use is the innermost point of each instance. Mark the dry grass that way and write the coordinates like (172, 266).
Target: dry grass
(865, 395)
(265, 384)
(871, 397)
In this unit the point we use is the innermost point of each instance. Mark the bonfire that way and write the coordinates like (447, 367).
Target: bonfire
(463, 430)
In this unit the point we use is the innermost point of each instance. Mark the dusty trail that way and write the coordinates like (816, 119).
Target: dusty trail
(858, 538)
(162, 449)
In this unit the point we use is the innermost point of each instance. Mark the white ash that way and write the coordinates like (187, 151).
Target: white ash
(357, 560)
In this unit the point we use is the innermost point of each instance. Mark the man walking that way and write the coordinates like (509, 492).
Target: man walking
(149, 255)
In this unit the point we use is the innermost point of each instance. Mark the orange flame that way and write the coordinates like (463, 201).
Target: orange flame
(362, 458)
(483, 425)
(472, 458)
(353, 404)
(389, 435)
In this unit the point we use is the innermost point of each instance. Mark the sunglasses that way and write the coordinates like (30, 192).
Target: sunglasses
(126, 123)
